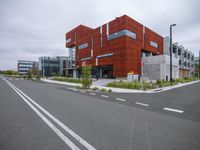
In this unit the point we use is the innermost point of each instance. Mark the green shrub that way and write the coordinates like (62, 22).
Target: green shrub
(125, 85)
(10, 72)
(103, 90)
(137, 85)
(65, 79)
(38, 77)
(95, 88)
(147, 85)
(86, 76)
(15, 76)
(184, 80)
(158, 82)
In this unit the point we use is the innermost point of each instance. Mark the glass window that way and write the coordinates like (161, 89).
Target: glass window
(82, 46)
(192, 57)
(72, 57)
(68, 40)
(130, 34)
(188, 56)
(179, 51)
(105, 55)
(185, 54)
(121, 33)
(154, 44)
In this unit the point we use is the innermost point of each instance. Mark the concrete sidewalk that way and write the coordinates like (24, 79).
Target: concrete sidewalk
(60, 82)
(120, 90)
(102, 82)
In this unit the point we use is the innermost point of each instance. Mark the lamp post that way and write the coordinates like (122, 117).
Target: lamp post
(43, 66)
(199, 64)
(172, 25)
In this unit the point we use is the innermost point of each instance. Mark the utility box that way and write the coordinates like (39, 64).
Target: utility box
(132, 77)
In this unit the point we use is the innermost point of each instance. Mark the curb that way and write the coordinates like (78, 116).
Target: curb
(120, 90)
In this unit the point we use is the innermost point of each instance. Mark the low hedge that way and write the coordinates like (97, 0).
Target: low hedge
(15, 76)
(184, 80)
(148, 85)
(132, 85)
(65, 79)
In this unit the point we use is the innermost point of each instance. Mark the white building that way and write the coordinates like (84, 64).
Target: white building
(23, 66)
(184, 56)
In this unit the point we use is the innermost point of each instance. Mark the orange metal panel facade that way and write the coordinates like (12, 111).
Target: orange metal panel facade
(126, 51)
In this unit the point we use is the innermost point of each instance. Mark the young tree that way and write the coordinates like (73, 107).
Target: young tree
(33, 72)
(86, 76)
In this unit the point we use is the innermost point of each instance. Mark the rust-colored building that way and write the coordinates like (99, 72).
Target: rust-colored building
(113, 49)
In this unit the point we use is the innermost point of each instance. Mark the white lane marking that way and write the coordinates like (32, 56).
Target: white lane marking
(92, 93)
(104, 96)
(143, 104)
(120, 99)
(174, 110)
(67, 129)
(82, 91)
(51, 125)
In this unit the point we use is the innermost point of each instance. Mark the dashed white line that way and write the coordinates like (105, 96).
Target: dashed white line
(92, 93)
(120, 99)
(173, 110)
(104, 96)
(143, 104)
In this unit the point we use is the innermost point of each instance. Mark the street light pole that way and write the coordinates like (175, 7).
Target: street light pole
(42, 67)
(171, 47)
(199, 64)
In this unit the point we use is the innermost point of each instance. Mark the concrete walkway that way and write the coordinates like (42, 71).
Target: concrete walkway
(60, 82)
(102, 82)
(120, 90)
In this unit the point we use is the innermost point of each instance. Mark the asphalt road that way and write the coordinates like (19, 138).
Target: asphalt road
(94, 120)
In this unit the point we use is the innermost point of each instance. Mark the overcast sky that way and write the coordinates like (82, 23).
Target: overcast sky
(33, 28)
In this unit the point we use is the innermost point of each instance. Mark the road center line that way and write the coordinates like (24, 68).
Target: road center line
(56, 130)
(120, 99)
(104, 96)
(174, 110)
(72, 133)
(143, 104)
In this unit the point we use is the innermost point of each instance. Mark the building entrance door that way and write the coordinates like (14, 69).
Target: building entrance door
(107, 71)
(102, 72)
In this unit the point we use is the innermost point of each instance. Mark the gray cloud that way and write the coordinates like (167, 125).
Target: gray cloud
(30, 29)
